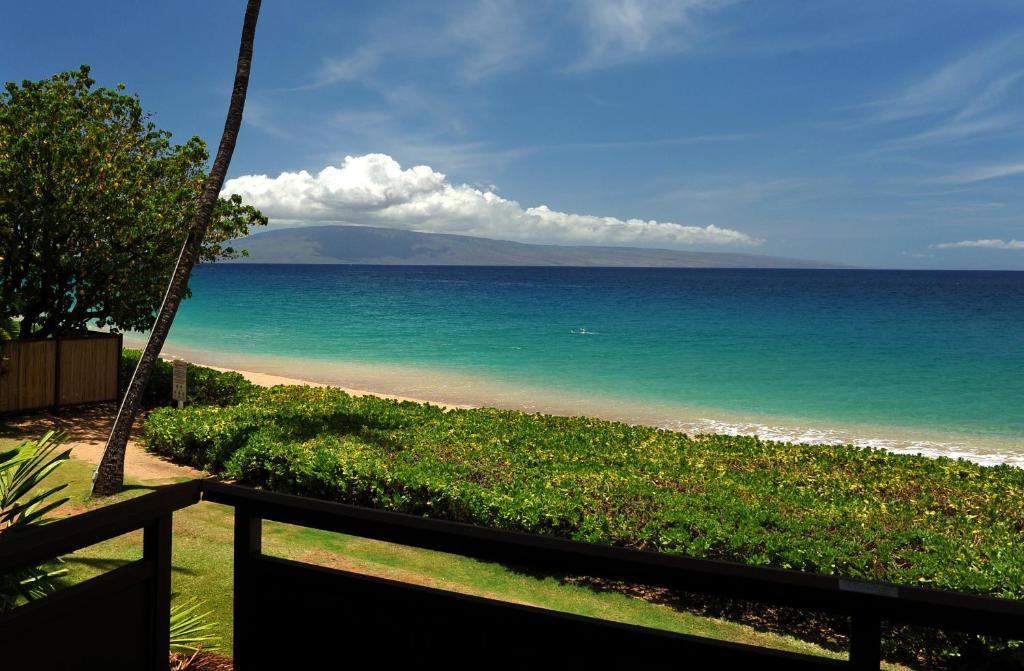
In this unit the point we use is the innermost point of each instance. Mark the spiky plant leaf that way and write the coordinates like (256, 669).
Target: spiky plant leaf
(24, 502)
(22, 471)
(188, 627)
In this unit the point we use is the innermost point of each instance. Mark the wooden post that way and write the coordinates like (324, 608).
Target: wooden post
(156, 548)
(248, 546)
(865, 642)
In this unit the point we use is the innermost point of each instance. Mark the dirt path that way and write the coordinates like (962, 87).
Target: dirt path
(88, 428)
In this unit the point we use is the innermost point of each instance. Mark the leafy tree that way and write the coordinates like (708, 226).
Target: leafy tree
(109, 476)
(95, 202)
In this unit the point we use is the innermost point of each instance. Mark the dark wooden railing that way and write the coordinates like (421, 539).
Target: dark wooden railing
(290, 614)
(118, 620)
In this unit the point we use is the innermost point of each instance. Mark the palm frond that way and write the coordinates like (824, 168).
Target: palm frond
(24, 501)
(188, 627)
(22, 471)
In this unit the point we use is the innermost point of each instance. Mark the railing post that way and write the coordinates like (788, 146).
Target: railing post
(865, 642)
(156, 548)
(248, 545)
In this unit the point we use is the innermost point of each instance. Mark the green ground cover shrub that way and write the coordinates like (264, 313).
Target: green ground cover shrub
(942, 523)
(829, 509)
(205, 385)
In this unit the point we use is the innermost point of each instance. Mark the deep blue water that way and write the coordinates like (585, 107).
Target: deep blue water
(929, 350)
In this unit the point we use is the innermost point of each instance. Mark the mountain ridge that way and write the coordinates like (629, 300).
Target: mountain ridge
(367, 245)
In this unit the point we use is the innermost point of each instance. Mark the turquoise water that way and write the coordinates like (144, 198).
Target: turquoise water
(917, 359)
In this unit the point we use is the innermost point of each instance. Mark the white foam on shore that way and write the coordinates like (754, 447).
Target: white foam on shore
(982, 453)
(438, 385)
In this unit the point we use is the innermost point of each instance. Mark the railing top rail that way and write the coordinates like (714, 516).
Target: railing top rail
(897, 603)
(42, 543)
(930, 607)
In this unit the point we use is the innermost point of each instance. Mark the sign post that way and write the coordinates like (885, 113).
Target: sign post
(179, 383)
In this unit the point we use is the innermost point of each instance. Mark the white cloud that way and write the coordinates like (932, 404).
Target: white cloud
(479, 39)
(991, 96)
(620, 31)
(496, 36)
(953, 131)
(374, 190)
(981, 244)
(486, 38)
(959, 101)
(354, 67)
(981, 173)
(718, 191)
(970, 85)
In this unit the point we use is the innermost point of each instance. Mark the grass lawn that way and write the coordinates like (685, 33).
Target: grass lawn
(203, 568)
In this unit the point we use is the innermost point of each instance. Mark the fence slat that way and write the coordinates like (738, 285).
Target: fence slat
(29, 375)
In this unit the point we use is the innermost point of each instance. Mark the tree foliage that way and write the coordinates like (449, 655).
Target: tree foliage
(95, 202)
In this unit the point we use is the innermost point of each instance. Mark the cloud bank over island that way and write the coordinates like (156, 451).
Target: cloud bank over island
(981, 244)
(374, 190)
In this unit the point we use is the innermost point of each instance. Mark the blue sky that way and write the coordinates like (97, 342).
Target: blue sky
(886, 134)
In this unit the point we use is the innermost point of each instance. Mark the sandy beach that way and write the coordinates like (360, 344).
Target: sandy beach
(268, 380)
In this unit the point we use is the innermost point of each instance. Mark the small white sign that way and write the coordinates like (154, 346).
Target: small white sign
(865, 587)
(179, 388)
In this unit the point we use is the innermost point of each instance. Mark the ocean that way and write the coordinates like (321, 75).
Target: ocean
(914, 361)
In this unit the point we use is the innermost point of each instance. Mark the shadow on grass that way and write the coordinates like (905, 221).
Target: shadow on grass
(96, 563)
(135, 486)
(180, 570)
(103, 565)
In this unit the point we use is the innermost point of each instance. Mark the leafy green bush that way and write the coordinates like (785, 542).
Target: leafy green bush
(204, 436)
(942, 523)
(830, 509)
(206, 386)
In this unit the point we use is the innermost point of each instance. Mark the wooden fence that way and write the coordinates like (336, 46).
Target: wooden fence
(38, 374)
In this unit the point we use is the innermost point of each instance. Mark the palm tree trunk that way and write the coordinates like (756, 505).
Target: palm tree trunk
(109, 476)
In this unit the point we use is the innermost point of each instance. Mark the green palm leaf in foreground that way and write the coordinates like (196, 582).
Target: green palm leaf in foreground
(189, 629)
(24, 502)
(22, 470)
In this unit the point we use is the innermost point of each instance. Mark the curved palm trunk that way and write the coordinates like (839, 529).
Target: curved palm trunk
(109, 476)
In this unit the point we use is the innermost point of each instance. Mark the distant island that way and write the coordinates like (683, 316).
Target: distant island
(387, 246)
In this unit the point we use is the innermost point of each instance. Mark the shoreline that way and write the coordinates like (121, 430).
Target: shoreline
(269, 380)
(452, 390)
